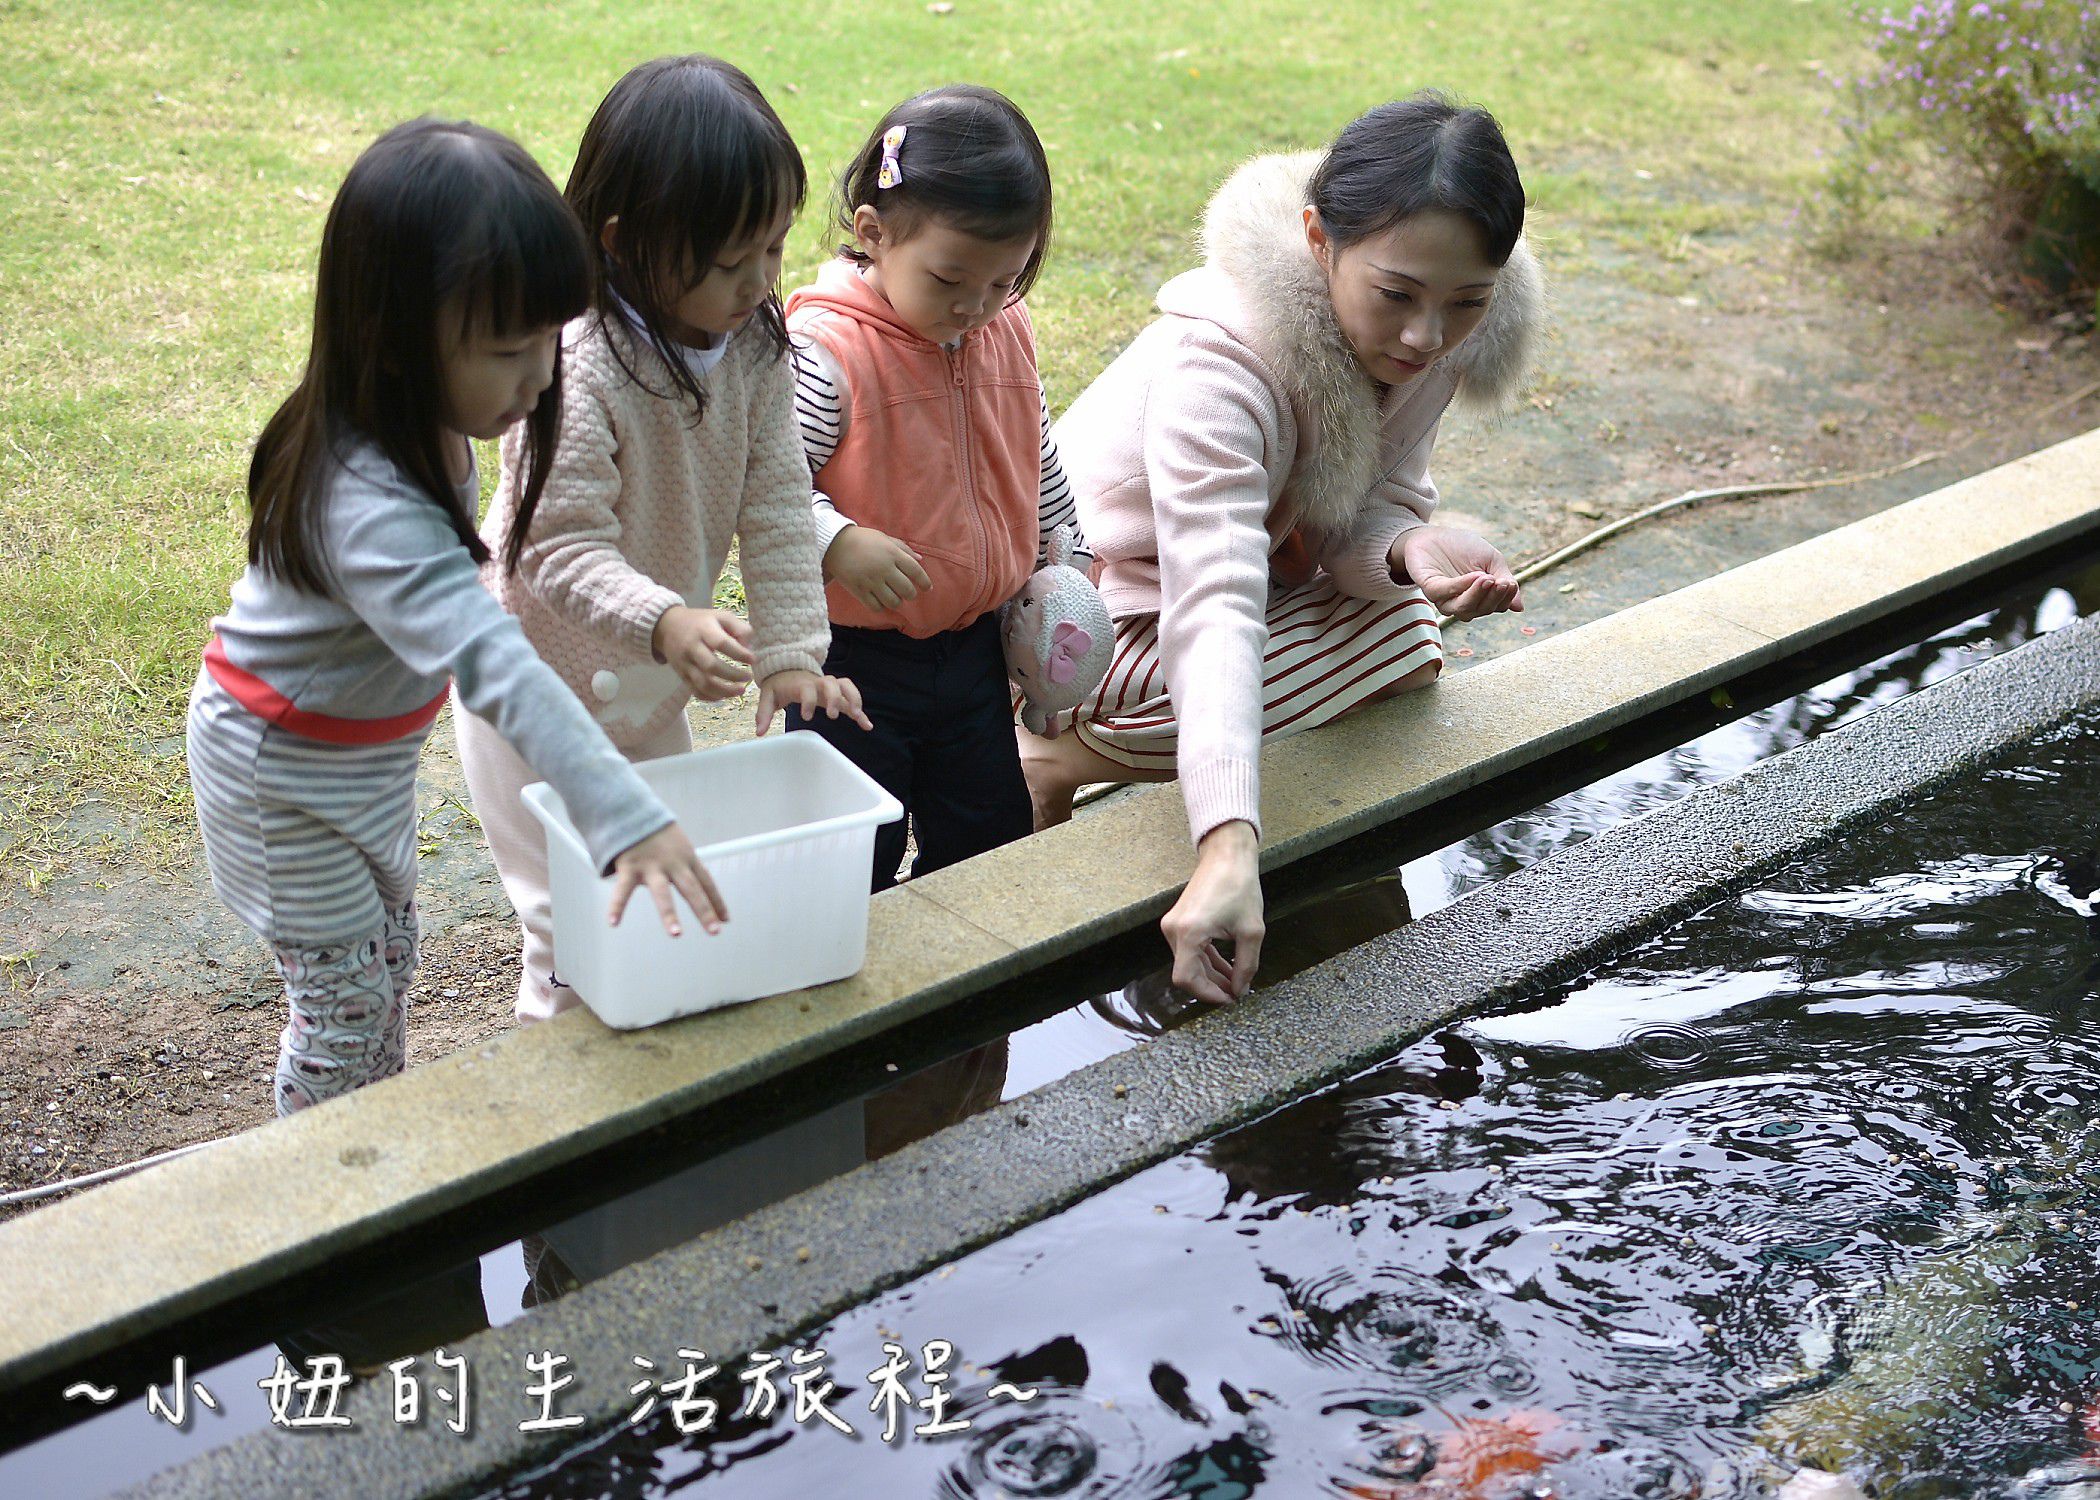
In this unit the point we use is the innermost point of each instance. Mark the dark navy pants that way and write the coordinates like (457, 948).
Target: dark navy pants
(943, 742)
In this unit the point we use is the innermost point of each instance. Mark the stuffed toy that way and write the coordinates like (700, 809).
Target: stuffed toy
(1057, 637)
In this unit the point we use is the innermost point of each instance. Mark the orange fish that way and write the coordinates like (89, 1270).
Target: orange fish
(1479, 1457)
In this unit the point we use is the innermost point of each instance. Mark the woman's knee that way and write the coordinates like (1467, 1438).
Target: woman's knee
(1064, 764)
(1420, 677)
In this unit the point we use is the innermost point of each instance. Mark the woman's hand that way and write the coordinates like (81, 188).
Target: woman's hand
(809, 692)
(662, 861)
(874, 567)
(704, 646)
(1460, 573)
(1221, 901)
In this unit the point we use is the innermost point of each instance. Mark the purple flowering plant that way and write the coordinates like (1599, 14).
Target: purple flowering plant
(1999, 102)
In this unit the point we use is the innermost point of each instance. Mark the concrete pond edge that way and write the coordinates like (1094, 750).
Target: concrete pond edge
(129, 1261)
(747, 1285)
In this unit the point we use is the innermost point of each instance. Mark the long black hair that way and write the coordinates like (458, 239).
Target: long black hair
(969, 160)
(1414, 155)
(687, 154)
(435, 220)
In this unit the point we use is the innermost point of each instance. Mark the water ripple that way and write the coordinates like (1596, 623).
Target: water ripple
(1421, 1336)
(1059, 1445)
(1669, 1046)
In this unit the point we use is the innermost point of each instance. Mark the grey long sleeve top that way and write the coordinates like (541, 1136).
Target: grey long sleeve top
(412, 611)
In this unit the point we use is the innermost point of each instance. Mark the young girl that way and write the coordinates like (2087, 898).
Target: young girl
(677, 434)
(936, 479)
(447, 267)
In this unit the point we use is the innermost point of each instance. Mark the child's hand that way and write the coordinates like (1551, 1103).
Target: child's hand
(834, 695)
(696, 641)
(661, 861)
(875, 568)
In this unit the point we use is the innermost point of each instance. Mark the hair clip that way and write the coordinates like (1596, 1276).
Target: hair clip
(891, 174)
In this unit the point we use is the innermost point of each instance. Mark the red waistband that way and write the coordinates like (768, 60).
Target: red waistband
(271, 706)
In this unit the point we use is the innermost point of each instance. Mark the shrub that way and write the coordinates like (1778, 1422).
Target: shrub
(1999, 100)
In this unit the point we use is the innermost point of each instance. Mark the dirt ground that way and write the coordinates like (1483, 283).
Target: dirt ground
(135, 1016)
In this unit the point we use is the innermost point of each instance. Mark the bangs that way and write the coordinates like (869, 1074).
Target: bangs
(1415, 155)
(753, 180)
(687, 155)
(990, 187)
(526, 266)
(1000, 222)
(682, 158)
(971, 162)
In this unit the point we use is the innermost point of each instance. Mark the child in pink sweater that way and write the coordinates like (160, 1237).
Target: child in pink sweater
(677, 434)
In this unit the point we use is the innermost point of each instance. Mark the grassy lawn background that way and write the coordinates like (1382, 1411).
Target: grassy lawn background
(167, 168)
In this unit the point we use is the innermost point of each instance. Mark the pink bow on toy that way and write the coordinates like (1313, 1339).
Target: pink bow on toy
(1069, 645)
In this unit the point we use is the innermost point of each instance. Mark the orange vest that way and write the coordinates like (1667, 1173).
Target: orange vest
(942, 450)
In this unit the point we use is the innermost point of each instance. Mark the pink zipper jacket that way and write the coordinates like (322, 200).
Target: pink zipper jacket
(942, 449)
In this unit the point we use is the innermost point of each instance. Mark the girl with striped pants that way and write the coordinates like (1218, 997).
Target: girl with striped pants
(448, 266)
(1253, 474)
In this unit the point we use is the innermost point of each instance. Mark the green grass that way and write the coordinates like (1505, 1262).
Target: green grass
(167, 168)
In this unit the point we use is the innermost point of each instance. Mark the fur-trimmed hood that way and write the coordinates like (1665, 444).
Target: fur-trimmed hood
(1275, 300)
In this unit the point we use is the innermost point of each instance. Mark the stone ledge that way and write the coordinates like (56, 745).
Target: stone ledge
(90, 1274)
(743, 1287)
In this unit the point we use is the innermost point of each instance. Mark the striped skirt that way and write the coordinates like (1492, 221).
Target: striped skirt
(1327, 654)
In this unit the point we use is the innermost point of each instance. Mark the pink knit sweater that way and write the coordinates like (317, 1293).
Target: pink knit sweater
(638, 514)
(1241, 414)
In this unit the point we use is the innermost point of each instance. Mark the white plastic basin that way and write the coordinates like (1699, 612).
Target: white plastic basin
(785, 825)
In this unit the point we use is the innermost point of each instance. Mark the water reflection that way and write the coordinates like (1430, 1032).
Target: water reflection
(1439, 879)
(586, 1247)
(1806, 1180)
(1148, 1006)
(124, 1444)
(1323, 1152)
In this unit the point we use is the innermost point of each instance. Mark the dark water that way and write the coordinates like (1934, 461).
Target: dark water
(125, 1444)
(1805, 1179)
(1144, 1008)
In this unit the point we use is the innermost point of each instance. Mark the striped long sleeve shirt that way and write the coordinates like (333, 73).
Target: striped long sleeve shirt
(820, 411)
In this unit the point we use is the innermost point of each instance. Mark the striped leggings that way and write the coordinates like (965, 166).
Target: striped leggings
(313, 845)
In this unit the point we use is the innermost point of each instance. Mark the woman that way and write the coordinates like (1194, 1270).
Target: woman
(1253, 476)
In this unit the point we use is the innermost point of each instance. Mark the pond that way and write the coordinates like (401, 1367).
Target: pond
(1237, 1183)
(1804, 1180)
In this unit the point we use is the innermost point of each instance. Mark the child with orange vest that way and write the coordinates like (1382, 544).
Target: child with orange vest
(937, 483)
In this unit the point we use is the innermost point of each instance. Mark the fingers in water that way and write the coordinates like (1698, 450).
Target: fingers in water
(1200, 984)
